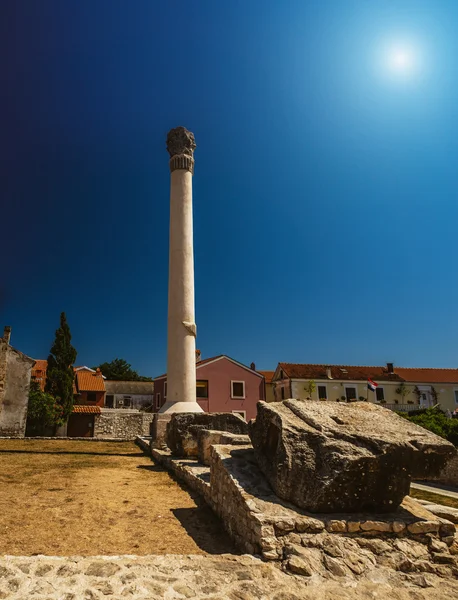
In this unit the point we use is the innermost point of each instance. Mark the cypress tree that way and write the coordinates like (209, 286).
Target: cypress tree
(59, 373)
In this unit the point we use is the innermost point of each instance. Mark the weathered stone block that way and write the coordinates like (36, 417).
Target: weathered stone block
(398, 526)
(206, 438)
(337, 457)
(336, 526)
(183, 428)
(375, 526)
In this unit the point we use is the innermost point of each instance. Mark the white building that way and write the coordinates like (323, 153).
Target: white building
(129, 394)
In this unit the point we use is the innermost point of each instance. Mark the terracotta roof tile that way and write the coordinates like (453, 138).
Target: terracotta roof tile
(267, 375)
(343, 372)
(428, 375)
(198, 364)
(88, 410)
(348, 372)
(39, 368)
(89, 382)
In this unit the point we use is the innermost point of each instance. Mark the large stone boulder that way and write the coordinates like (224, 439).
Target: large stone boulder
(183, 428)
(336, 457)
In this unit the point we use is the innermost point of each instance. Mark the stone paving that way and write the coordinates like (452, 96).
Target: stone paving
(223, 577)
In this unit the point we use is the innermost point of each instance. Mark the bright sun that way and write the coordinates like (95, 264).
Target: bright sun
(401, 60)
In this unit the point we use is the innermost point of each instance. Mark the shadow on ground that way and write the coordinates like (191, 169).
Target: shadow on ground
(101, 453)
(205, 529)
(153, 469)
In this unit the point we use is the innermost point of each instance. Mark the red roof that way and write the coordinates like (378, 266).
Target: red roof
(40, 365)
(214, 358)
(428, 375)
(88, 410)
(198, 364)
(90, 382)
(362, 373)
(267, 375)
(343, 372)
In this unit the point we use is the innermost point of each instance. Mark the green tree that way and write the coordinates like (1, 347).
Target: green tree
(59, 373)
(403, 391)
(310, 388)
(120, 370)
(43, 412)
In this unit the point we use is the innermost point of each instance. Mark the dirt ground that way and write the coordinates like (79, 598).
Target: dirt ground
(89, 498)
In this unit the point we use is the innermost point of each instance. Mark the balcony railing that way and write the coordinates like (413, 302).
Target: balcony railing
(402, 407)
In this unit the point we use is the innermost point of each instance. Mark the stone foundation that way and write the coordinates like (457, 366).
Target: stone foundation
(410, 540)
(224, 577)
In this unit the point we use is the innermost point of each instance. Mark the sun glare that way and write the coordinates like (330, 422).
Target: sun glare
(401, 60)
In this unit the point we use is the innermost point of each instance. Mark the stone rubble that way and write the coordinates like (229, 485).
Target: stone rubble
(183, 429)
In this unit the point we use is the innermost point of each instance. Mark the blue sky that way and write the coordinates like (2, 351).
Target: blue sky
(325, 190)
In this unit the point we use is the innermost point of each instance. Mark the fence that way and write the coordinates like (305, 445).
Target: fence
(402, 407)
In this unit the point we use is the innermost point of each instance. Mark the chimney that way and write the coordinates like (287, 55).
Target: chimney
(198, 354)
(7, 334)
(328, 373)
(253, 367)
(390, 367)
(98, 372)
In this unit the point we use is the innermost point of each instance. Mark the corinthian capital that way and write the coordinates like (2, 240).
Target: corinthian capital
(181, 145)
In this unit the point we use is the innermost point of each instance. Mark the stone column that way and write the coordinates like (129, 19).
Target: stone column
(181, 343)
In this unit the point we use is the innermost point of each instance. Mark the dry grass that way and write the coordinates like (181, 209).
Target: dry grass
(87, 498)
(434, 498)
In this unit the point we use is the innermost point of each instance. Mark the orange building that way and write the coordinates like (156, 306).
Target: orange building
(39, 373)
(90, 387)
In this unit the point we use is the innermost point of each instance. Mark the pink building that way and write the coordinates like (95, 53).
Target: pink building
(222, 385)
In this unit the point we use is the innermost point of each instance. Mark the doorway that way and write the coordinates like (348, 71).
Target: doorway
(80, 425)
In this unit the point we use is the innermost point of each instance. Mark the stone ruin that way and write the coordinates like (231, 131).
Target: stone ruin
(335, 457)
(319, 487)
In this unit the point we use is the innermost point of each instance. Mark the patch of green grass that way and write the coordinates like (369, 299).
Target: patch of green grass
(434, 498)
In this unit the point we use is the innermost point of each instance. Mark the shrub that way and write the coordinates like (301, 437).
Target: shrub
(436, 421)
(43, 412)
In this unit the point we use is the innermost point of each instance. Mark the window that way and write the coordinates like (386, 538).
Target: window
(350, 393)
(242, 413)
(455, 393)
(202, 389)
(158, 401)
(322, 392)
(379, 394)
(109, 401)
(127, 400)
(165, 389)
(237, 389)
(282, 393)
(91, 397)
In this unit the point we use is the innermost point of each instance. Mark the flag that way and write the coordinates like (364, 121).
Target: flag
(372, 385)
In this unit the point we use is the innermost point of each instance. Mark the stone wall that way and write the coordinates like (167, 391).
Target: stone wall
(15, 371)
(411, 540)
(122, 424)
(262, 523)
